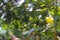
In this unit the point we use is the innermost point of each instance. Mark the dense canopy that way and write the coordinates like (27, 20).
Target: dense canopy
(28, 16)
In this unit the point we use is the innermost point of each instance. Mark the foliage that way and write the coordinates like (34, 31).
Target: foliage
(42, 15)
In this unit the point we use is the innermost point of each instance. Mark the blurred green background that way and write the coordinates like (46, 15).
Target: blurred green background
(26, 17)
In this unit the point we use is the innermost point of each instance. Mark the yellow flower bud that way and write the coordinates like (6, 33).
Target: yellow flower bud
(49, 19)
